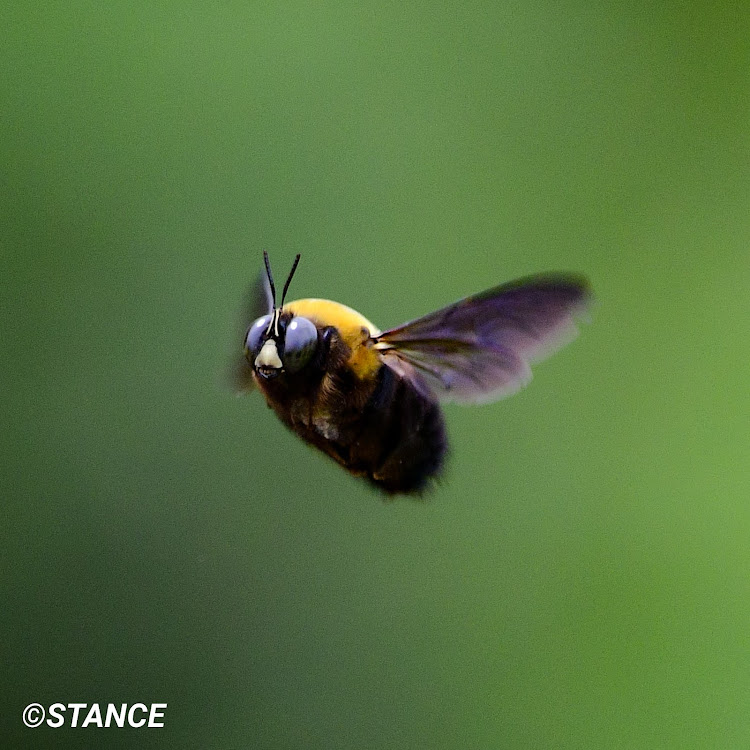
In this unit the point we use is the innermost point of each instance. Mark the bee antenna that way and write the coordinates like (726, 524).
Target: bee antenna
(289, 278)
(270, 277)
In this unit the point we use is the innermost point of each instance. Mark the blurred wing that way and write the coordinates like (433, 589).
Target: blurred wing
(480, 348)
(258, 302)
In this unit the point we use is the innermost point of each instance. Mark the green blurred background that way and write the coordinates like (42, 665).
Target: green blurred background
(582, 576)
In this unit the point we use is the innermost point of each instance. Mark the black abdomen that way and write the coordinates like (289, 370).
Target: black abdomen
(399, 440)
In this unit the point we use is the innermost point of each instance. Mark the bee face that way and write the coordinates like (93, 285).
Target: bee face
(280, 342)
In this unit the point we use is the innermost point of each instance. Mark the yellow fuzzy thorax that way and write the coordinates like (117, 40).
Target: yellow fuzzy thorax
(349, 323)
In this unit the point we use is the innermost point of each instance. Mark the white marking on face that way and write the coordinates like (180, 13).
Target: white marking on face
(268, 356)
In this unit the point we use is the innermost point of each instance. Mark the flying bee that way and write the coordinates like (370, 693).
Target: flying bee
(370, 399)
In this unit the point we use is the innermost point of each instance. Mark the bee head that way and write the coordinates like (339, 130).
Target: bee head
(280, 342)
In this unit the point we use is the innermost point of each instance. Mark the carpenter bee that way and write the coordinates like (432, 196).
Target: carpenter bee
(370, 399)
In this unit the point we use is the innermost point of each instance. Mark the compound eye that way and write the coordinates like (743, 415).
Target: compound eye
(255, 334)
(300, 341)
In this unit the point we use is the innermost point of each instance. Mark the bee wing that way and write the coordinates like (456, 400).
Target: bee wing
(258, 302)
(480, 348)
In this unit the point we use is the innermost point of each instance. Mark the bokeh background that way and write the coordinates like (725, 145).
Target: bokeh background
(582, 576)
